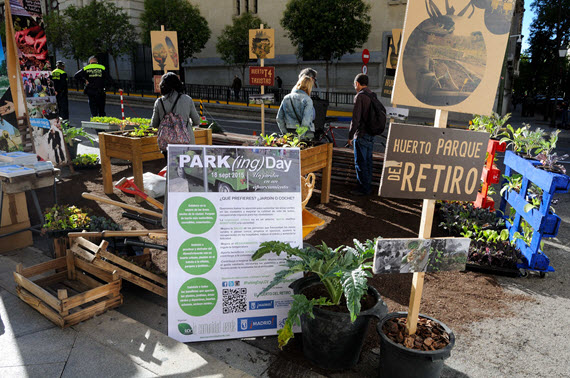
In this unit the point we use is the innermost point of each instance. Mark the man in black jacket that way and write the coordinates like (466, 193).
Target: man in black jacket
(59, 78)
(95, 76)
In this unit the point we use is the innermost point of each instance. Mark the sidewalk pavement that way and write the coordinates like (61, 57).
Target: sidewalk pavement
(131, 341)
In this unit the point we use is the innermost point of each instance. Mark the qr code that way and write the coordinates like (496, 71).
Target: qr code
(234, 300)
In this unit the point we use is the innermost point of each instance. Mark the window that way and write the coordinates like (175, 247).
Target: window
(246, 6)
(238, 7)
(254, 6)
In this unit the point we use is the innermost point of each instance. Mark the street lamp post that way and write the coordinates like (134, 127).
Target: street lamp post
(562, 51)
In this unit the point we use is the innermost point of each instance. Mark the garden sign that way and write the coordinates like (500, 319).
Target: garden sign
(433, 163)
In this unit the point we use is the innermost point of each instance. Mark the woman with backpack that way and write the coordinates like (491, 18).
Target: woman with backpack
(174, 114)
(297, 108)
(182, 108)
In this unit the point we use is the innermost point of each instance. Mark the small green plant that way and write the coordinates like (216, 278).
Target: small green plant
(64, 217)
(523, 140)
(143, 130)
(285, 140)
(86, 160)
(494, 124)
(344, 270)
(101, 224)
(70, 133)
(514, 182)
(550, 160)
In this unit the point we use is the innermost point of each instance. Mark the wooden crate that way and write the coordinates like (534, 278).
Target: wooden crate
(15, 218)
(98, 256)
(69, 290)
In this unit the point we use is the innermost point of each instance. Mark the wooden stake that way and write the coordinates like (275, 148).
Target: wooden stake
(162, 29)
(262, 104)
(425, 233)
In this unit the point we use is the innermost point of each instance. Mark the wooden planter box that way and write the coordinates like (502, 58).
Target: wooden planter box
(72, 293)
(98, 256)
(316, 158)
(135, 150)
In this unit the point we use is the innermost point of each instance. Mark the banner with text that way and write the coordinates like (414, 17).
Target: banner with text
(222, 203)
(262, 76)
(433, 163)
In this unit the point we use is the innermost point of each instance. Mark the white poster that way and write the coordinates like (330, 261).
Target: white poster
(222, 203)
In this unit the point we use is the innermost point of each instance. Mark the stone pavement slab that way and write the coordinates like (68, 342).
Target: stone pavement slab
(34, 371)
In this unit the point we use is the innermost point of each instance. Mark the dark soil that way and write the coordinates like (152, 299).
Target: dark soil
(455, 298)
(429, 335)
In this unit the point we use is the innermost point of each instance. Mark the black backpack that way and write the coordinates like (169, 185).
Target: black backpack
(376, 116)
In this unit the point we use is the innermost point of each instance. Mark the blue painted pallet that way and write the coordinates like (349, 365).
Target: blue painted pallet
(544, 223)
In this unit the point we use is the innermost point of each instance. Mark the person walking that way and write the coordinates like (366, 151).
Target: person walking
(174, 101)
(95, 76)
(297, 109)
(358, 137)
(236, 86)
(59, 79)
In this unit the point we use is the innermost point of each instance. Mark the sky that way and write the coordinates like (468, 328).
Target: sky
(527, 20)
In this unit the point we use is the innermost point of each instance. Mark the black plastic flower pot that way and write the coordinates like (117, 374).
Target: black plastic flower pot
(331, 340)
(398, 361)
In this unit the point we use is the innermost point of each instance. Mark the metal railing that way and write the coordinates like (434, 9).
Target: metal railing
(220, 93)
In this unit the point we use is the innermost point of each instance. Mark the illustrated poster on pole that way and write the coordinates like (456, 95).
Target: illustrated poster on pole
(452, 54)
(222, 203)
(261, 43)
(164, 50)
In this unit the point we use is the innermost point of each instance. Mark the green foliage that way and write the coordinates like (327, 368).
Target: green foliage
(99, 224)
(98, 27)
(460, 217)
(286, 140)
(344, 270)
(233, 43)
(523, 140)
(180, 16)
(143, 131)
(86, 160)
(70, 133)
(122, 123)
(494, 125)
(326, 30)
(513, 182)
(64, 217)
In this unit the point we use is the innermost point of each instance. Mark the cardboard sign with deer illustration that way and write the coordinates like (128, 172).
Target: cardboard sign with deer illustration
(451, 56)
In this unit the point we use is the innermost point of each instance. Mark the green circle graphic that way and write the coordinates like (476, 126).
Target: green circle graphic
(197, 215)
(197, 255)
(197, 296)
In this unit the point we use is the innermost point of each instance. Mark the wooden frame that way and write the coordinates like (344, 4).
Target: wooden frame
(317, 158)
(51, 294)
(98, 256)
(137, 151)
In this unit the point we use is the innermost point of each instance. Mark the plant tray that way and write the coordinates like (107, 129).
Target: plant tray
(69, 290)
(98, 256)
(99, 126)
(492, 270)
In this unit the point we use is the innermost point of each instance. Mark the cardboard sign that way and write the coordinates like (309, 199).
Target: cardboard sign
(387, 86)
(425, 162)
(397, 113)
(394, 49)
(261, 44)
(267, 98)
(156, 81)
(164, 50)
(420, 255)
(451, 56)
(262, 76)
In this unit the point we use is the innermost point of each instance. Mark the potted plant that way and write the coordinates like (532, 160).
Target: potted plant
(334, 277)
(494, 124)
(523, 140)
(62, 219)
(547, 157)
(418, 355)
(86, 161)
(70, 136)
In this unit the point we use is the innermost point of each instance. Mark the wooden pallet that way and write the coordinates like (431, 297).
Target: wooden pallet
(98, 256)
(69, 290)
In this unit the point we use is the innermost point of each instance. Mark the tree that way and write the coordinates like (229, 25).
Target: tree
(180, 16)
(326, 30)
(233, 43)
(549, 31)
(99, 27)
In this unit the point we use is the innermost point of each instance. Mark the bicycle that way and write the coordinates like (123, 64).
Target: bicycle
(327, 132)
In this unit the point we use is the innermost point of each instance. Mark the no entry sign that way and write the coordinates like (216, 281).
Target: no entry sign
(261, 76)
(365, 56)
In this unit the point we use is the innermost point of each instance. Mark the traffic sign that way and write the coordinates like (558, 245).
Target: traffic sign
(364, 69)
(365, 56)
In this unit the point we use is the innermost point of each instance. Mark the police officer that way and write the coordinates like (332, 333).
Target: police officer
(59, 79)
(95, 75)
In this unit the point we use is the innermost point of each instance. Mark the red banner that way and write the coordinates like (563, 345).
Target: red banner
(262, 76)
